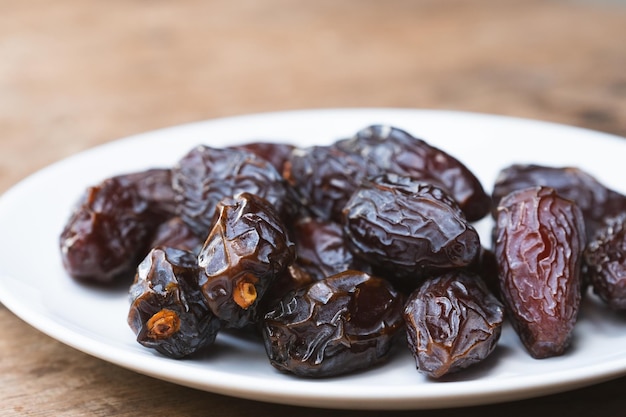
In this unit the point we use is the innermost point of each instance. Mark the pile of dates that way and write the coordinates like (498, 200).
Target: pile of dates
(335, 255)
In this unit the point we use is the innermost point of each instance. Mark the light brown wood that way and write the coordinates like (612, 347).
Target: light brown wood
(74, 74)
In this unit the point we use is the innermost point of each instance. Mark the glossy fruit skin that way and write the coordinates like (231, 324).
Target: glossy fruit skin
(452, 322)
(540, 238)
(595, 200)
(408, 228)
(166, 287)
(338, 325)
(245, 251)
(176, 233)
(605, 262)
(275, 153)
(324, 178)
(110, 228)
(321, 249)
(205, 175)
(394, 150)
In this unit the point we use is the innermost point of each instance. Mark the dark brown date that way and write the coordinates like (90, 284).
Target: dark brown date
(324, 178)
(321, 249)
(275, 153)
(245, 251)
(109, 231)
(167, 311)
(408, 228)
(596, 201)
(341, 324)
(605, 262)
(393, 150)
(206, 175)
(155, 187)
(452, 322)
(540, 238)
(175, 233)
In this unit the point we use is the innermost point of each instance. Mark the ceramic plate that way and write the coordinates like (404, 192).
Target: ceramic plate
(35, 287)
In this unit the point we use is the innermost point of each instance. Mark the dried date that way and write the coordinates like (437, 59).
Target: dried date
(109, 231)
(595, 200)
(321, 249)
(245, 251)
(395, 151)
(452, 322)
(205, 175)
(324, 178)
(167, 311)
(275, 153)
(340, 324)
(605, 262)
(175, 233)
(408, 229)
(540, 237)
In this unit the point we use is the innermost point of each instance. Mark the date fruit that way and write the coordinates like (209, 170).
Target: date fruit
(167, 311)
(540, 238)
(395, 151)
(605, 262)
(596, 201)
(408, 228)
(338, 325)
(205, 175)
(324, 178)
(321, 249)
(452, 322)
(244, 253)
(109, 231)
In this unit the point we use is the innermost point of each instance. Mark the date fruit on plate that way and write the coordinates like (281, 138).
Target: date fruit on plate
(395, 151)
(595, 200)
(275, 153)
(321, 249)
(205, 175)
(176, 233)
(540, 238)
(341, 324)
(605, 262)
(167, 311)
(109, 231)
(408, 229)
(452, 322)
(324, 178)
(244, 253)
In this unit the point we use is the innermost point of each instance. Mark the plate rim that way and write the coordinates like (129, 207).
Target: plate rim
(369, 398)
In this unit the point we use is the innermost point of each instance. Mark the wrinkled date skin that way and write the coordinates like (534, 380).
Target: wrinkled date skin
(155, 187)
(341, 324)
(605, 262)
(176, 233)
(596, 201)
(109, 230)
(324, 178)
(167, 311)
(247, 248)
(408, 228)
(395, 151)
(539, 244)
(276, 154)
(206, 175)
(452, 322)
(321, 249)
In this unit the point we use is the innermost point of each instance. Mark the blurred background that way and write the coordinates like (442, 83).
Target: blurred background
(78, 73)
(74, 74)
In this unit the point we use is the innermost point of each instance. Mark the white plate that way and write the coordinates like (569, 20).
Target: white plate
(34, 286)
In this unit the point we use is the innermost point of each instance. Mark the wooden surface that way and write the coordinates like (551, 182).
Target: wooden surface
(74, 74)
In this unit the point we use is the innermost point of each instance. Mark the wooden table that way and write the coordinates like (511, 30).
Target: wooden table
(74, 74)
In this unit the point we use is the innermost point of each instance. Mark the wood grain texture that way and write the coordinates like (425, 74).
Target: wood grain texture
(74, 74)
